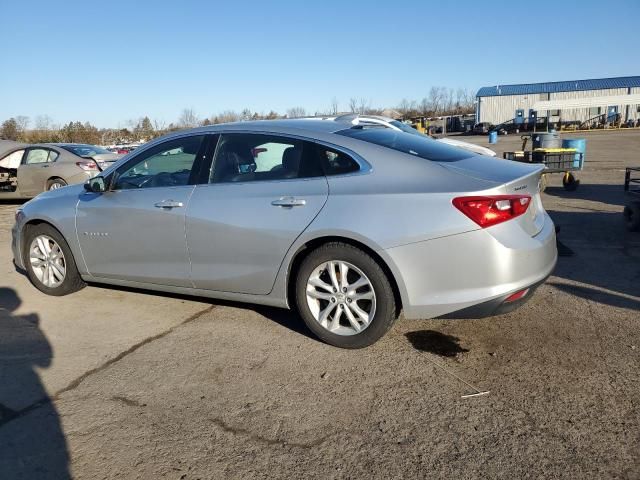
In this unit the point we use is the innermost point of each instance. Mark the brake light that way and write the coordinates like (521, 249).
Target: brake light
(492, 209)
(89, 166)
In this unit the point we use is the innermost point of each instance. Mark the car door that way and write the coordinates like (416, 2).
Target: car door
(259, 196)
(35, 170)
(135, 231)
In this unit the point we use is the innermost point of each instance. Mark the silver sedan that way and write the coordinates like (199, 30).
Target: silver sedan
(346, 224)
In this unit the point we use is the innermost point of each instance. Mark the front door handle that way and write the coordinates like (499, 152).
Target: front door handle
(289, 202)
(169, 204)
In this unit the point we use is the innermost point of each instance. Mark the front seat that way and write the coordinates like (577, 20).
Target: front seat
(234, 164)
(291, 159)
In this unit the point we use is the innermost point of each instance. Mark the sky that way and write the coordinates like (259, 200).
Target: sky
(109, 62)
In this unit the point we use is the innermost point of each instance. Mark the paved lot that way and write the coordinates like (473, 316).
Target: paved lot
(111, 383)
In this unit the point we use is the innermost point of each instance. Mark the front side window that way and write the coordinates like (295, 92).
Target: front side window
(168, 164)
(40, 155)
(12, 160)
(250, 157)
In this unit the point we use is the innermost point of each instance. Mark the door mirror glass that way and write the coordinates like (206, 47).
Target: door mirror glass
(96, 185)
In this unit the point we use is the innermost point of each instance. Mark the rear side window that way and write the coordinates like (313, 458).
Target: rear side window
(417, 145)
(40, 155)
(335, 162)
(252, 157)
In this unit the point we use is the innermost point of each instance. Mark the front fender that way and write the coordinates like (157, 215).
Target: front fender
(57, 208)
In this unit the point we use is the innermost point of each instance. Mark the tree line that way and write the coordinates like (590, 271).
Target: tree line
(440, 101)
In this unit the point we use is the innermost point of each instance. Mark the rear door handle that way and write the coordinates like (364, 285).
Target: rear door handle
(289, 202)
(168, 204)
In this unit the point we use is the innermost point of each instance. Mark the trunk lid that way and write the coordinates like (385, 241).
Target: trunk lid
(515, 178)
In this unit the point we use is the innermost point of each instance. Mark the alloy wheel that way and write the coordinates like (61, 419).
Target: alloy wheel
(47, 261)
(341, 297)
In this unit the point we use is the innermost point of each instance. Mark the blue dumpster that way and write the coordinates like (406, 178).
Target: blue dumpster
(580, 144)
(493, 137)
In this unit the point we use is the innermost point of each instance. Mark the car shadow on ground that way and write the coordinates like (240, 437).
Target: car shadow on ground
(286, 318)
(611, 194)
(435, 342)
(606, 260)
(32, 442)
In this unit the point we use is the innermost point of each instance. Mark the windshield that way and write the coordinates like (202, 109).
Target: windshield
(417, 145)
(85, 150)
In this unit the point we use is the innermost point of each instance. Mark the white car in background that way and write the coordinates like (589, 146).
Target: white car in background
(356, 119)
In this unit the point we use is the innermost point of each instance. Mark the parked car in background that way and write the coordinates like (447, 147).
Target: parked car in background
(27, 170)
(482, 128)
(103, 157)
(348, 225)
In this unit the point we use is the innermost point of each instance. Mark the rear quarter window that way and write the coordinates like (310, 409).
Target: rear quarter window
(416, 145)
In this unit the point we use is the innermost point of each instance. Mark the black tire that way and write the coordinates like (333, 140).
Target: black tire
(385, 312)
(72, 281)
(56, 183)
(632, 217)
(569, 182)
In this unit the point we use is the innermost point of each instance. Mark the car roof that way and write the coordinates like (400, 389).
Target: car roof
(8, 145)
(320, 126)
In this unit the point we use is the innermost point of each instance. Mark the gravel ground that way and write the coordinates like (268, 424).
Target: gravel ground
(112, 383)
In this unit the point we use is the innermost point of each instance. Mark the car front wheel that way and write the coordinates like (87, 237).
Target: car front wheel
(344, 296)
(49, 263)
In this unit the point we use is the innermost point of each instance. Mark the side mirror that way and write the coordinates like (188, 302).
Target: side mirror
(96, 185)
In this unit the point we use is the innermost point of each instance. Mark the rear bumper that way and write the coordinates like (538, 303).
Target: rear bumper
(473, 273)
(497, 306)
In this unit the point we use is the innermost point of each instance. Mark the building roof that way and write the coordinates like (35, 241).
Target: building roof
(553, 87)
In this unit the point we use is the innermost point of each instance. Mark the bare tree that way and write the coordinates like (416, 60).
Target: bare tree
(364, 106)
(22, 122)
(359, 105)
(188, 118)
(43, 122)
(436, 100)
(159, 125)
(296, 112)
(335, 107)
(226, 117)
(407, 107)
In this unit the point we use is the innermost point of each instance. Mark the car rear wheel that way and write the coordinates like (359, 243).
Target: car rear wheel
(49, 262)
(56, 183)
(344, 296)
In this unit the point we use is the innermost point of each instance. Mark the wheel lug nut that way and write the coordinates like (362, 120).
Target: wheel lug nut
(348, 300)
(341, 306)
(333, 299)
(335, 290)
(344, 289)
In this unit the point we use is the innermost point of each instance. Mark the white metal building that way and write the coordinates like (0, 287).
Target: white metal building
(578, 100)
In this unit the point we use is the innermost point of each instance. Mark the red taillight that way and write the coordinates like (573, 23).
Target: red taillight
(516, 296)
(492, 209)
(88, 166)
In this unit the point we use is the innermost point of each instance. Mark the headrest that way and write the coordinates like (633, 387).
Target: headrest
(291, 159)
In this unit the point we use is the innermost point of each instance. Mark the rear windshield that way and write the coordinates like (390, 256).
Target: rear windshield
(85, 150)
(418, 145)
